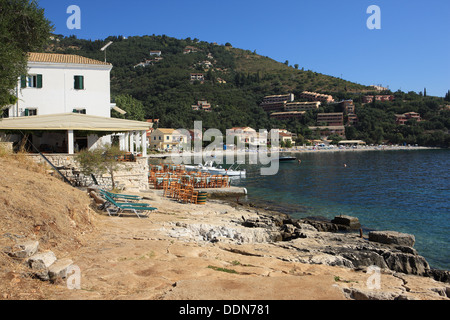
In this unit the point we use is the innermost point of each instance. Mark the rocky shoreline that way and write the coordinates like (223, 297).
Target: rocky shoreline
(316, 240)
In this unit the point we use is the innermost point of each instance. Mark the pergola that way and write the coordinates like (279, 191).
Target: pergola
(135, 132)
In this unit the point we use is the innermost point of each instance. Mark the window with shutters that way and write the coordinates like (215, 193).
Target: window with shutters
(79, 82)
(80, 111)
(5, 113)
(31, 81)
(30, 112)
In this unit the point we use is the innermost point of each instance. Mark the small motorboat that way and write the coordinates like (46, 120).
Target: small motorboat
(287, 159)
(210, 168)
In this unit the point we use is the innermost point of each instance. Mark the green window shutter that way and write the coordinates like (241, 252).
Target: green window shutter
(39, 81)
(79, 82)
(23, 82)
(27, 112)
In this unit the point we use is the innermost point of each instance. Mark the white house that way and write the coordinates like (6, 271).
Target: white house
(66, 100)
(155, 53)
(60, 83)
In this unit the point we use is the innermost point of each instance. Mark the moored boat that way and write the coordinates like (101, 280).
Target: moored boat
(210, 168)
(287, 159)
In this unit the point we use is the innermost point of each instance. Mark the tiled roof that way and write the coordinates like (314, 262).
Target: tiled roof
(166, 130)
(62, 58)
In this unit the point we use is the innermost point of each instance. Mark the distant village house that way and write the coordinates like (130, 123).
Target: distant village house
(197, 77)
(202, 106)
(155, 53)
(167, 139)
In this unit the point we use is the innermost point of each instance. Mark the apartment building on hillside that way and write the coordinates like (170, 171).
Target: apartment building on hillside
(326, 131)
(331, 119)
(401, 119)
(381, 98)
(302, 106)
(347, 106)
(276, 103)
(314, 96)
(287, 115)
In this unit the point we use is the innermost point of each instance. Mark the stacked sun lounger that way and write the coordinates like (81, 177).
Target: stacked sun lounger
(117, 204)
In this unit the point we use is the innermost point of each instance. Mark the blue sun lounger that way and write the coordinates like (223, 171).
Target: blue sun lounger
(117, 196)
(139, 209)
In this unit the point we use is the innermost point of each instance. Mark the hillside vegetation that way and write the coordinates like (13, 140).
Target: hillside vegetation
(236, 82)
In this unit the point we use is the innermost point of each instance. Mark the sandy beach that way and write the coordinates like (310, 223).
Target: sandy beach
(241, 154)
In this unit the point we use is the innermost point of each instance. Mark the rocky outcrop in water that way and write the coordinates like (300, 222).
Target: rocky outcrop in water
(318, 241)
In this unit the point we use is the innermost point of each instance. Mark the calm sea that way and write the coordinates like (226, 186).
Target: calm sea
(405, 191)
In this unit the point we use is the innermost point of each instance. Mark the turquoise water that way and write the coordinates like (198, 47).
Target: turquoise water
(405, 191)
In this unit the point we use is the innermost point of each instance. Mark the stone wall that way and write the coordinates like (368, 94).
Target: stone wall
(6, 147)
(132, 176)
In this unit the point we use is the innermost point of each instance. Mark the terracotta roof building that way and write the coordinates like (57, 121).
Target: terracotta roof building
(63, 58)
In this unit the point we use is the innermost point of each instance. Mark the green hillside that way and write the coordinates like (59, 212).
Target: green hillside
(235, 84)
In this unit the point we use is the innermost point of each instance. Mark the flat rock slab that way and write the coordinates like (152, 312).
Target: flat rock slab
(351, 222)
(40, 263)
(392, 237)
(41, 260)
(24, 249)
(59, 269)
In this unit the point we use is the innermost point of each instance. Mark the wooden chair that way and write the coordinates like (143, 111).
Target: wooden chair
(166, 187)
(190, 195)
(173, 186)
(219, 181)
(203, 183)
(151, 177)
(179, 191)
(225, 182)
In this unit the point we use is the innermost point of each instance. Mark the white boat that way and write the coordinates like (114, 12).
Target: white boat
(210, 168)
(287, 159)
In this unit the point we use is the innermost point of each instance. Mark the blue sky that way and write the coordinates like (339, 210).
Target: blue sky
(410, 51)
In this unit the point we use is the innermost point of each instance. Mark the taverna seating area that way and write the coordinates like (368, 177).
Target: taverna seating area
(181, 185)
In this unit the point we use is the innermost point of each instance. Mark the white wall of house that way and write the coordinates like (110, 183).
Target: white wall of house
(58, 93)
